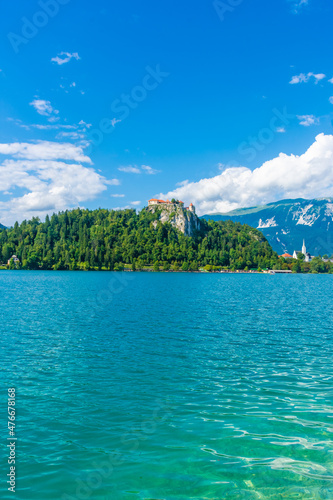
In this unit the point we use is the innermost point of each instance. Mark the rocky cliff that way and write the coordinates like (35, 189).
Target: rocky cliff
(186, 221)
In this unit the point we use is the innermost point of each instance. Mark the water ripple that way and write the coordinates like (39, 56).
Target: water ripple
(180, 387)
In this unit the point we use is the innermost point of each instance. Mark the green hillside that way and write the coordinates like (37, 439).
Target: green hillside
(107, 239)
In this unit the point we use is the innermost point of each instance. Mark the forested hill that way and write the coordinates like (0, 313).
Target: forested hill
(107, 239)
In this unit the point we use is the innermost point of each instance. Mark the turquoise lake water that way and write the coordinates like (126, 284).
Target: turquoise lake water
(166, 386)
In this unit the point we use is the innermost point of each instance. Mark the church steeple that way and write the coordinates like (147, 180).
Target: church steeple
(304, 248)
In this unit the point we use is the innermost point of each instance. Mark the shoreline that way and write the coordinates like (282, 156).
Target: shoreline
(270, 272)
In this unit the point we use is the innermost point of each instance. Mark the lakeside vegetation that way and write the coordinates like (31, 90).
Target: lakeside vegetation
(113, 240)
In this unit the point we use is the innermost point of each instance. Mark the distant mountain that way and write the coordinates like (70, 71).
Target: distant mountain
(286, 223)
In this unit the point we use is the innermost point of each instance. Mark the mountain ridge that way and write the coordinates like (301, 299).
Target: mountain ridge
(285, 223)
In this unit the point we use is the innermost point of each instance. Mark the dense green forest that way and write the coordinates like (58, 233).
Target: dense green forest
(108, 239)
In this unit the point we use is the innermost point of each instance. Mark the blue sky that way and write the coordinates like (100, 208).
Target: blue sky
(108, 104)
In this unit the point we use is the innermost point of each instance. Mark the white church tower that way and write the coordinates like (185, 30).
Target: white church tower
(304, 249)
(307, 256)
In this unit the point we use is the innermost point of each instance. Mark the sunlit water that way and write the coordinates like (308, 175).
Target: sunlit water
(168, 386)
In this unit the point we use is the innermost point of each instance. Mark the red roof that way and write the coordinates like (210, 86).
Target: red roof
(286, 255)
(162, 201)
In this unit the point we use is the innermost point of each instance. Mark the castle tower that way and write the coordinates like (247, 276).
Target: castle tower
(192, 208)
(304, 248)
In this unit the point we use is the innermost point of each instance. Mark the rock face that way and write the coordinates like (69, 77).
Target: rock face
(185, 220)
(286, 223)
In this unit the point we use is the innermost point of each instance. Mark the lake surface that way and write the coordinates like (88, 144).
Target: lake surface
(166, 386)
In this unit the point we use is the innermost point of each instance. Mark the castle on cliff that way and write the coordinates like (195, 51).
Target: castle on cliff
(154, 201)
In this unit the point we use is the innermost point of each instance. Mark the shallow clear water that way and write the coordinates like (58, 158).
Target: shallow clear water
(168, 386)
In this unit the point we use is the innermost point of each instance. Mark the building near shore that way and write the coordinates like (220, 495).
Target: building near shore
(15, 259)
(307, 255)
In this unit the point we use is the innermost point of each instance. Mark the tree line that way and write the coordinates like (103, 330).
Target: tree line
(104, 239)
(109, 239)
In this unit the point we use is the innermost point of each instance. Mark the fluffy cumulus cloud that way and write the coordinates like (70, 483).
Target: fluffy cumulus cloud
(45, 150)
(286, 176)
(65, 57)
(40, 178)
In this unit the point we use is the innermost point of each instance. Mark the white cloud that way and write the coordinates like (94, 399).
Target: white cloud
(307, 120)
(45, 150)
(286, 176)
(75, 132)
(84, 124)
(53, 119)
(75, 136)
(298, 79)
(55, 126)
(331, 80)
(318, 77)
(149, 170)
(43, 182)
(52, 186)
(184, 183)
(65, 57)
(297, 4)
(280, 130)
(122, 208)
(113, 182)
(130, 170)
(45, 108)
(42, 107)
(117, 195)
(135, 203)
(69, 86)
(331, 99)
(304, 78)
(134, 169)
